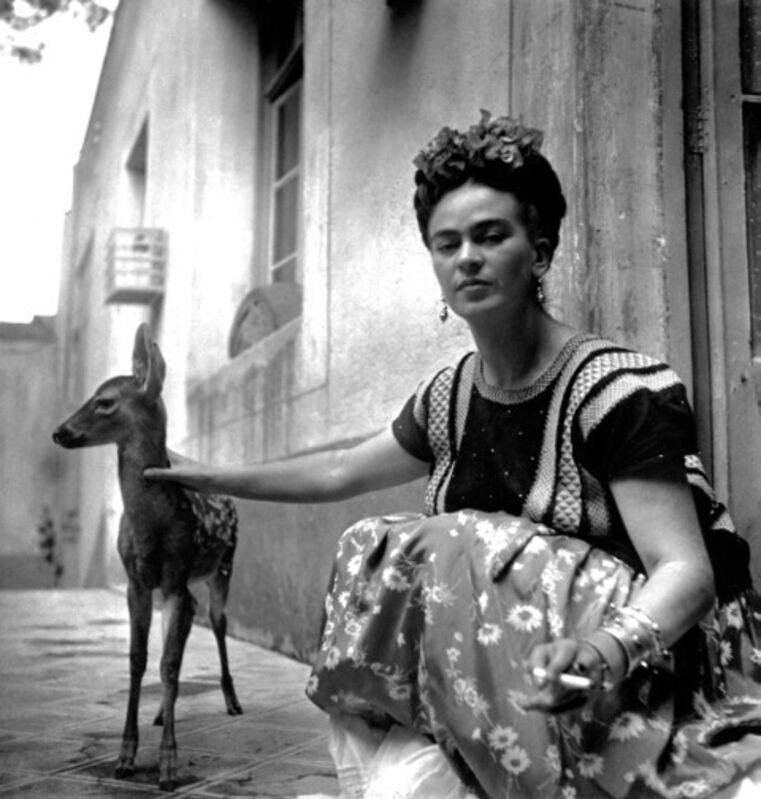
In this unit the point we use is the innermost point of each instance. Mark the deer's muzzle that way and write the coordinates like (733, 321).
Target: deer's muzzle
(69, 439)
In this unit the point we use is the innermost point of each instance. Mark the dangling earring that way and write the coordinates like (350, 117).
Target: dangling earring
(541, 298)
(443, 310)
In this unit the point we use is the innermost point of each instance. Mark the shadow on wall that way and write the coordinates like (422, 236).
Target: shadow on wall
(404, 23)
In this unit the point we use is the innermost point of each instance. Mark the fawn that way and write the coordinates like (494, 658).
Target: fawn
(168, 536)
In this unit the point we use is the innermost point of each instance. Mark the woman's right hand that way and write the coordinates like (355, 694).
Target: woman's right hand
(195, 477)
(323, 476)
(549, 663)
(598, 658)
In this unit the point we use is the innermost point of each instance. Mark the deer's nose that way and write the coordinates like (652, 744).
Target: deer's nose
(68, 438)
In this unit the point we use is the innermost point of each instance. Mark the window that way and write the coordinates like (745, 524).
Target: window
(284, 242)
(282, 32)
(750, 62)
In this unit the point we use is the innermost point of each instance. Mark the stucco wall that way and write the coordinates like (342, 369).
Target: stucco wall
(378, 83)
(603, 79)
(187, 69)
(29, 463)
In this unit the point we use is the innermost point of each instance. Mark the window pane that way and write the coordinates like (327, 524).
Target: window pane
(286, 218)
(750, 45)
(288, 131)
(285, 272)
(286, 22)
(752, 148)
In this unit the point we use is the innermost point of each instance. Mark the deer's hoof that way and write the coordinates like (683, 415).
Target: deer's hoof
(167, 767)
(124, 768)
(234, 708)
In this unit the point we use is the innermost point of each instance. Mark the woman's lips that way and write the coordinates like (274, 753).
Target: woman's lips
(470, 284)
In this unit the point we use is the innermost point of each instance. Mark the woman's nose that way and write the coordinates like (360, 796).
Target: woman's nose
(469, 258)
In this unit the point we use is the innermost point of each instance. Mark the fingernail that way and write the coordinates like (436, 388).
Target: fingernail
(540, 675)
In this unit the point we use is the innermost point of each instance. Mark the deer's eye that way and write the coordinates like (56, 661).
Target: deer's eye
(105, 404)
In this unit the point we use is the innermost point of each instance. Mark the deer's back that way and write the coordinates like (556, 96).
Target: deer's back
(178, 532)
(215, 533)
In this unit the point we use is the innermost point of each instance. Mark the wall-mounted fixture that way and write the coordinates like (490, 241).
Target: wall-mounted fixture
(136, 265)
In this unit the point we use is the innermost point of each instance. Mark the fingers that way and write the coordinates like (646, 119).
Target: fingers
(174, 475)
(158, 475)
(565, 673)
(186, 476)
(553, 659)
(556, 702)
(588, 662)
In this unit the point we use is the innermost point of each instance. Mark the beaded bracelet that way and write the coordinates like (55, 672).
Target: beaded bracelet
(638, 635)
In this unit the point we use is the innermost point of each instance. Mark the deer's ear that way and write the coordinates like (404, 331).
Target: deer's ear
(154, 381)
(141, 353)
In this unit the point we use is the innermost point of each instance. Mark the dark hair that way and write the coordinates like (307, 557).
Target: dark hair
(501, 154)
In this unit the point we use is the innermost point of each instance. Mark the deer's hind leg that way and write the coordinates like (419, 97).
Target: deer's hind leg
(140, 610)
(219, 586)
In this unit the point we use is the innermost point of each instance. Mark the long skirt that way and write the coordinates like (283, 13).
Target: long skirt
(428, 625)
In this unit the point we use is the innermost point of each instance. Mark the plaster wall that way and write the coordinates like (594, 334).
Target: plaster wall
(378, 83)
(29, 464)
(184, 69)
(603, 79)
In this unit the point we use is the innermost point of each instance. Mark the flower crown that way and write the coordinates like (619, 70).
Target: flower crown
(500, 139)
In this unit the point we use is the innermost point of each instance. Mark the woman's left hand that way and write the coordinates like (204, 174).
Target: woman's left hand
(550, 664)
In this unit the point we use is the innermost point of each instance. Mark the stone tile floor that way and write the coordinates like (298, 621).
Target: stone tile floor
(63, 690)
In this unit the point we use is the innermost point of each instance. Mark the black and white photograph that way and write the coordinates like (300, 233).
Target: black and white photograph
(380, 394)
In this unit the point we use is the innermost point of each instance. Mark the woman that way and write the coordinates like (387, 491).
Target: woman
(573, 614)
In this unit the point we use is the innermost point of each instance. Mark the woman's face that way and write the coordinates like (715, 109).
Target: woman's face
(483, 254)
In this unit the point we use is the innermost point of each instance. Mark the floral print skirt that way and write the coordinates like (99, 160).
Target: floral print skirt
(429, 621)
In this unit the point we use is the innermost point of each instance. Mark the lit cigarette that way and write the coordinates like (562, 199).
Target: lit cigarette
(566, 680)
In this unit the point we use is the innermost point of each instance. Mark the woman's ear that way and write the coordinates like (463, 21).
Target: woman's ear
(542, 256)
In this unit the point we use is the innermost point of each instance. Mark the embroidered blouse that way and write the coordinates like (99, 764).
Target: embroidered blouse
(549, 451)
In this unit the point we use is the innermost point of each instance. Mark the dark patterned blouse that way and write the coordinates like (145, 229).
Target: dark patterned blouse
(550, 451)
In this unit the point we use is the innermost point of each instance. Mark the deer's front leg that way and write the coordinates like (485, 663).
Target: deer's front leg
(140, 609)
(178, 612)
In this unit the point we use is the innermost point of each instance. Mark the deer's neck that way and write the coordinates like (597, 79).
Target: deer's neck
(135, 455)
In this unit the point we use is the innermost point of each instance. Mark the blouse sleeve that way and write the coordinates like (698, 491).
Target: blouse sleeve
(648, 431)
(410, 426)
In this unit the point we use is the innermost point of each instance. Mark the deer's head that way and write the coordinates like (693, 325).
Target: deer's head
(122, 405)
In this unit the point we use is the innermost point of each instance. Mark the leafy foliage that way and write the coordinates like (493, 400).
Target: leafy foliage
(18, 16)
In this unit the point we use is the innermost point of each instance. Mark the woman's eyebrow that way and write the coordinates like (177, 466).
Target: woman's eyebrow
(479, 226)
(486, 223)
(445, 233)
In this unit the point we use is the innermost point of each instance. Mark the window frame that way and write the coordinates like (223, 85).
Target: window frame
(276, 182)
(282, 78)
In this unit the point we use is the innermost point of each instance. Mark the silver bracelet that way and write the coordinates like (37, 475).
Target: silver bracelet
(638, 635)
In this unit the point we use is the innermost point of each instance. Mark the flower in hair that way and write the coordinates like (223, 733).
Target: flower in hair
(499, 139)
(447, 147)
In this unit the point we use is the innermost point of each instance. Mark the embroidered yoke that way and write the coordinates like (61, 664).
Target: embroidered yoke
(600, 411)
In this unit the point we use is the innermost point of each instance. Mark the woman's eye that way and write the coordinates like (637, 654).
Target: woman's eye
(446, 247)
(494, 237)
